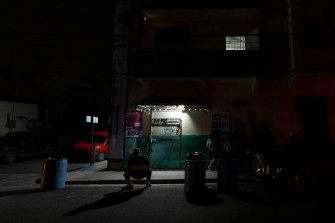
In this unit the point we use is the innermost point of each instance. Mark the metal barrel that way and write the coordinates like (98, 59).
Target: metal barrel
(195, 175)
(227, 175)
(54, 174)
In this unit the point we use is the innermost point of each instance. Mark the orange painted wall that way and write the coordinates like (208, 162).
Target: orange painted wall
(320, 85)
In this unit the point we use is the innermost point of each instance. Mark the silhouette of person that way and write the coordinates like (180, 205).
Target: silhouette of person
(211, 145)
(137, 159)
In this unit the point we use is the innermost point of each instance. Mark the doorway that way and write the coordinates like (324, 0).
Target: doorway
(315, 117)
(165, 140)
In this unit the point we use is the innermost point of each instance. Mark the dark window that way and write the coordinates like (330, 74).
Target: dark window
(313, 36)
(173, 37)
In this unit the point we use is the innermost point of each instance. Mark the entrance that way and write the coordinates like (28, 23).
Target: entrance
(315, 110)
(165, 140)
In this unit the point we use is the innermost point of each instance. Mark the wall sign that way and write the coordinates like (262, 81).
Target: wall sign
(134, 124)
(165, 122)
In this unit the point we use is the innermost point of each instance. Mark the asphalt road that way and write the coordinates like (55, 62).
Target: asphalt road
(25, 202)
(159, 203)
(24, 166)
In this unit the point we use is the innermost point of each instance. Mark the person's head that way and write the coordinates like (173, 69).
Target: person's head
(210, 135)
(136, 151)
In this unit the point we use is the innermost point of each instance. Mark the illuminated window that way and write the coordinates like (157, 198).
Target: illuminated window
(235, 43)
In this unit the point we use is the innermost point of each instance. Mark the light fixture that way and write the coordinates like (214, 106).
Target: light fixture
(181, 107)
(173, 107)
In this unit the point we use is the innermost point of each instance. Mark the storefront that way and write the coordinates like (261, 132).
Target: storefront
(168, 133)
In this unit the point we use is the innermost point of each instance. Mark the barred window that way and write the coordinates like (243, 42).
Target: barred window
(235, 43)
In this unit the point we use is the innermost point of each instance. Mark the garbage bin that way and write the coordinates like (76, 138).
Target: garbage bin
(53, 174)
(227, 175)
(195, 173)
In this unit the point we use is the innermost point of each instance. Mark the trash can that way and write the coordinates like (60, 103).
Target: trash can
(195, 173)
(227, 175)
(53, 174)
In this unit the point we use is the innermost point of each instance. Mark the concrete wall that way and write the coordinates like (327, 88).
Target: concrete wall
(19, 112)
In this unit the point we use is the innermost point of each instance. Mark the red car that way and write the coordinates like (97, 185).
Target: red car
(100, 139)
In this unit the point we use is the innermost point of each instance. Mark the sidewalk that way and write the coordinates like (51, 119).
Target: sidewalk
(98, 174)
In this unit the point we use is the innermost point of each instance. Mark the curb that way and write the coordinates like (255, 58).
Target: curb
(153, 181)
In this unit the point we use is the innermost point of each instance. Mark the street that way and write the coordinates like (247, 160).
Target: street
(159, 203)
(22, 201)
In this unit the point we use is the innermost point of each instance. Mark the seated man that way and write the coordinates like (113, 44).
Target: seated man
(137, 159)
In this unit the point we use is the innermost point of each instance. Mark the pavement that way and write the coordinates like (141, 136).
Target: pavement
(98, 174)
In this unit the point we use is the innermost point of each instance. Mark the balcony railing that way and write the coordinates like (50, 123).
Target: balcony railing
(210, 55)
(206, 55)
(176, 63)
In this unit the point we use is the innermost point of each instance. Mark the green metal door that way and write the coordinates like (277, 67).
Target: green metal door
(165, 152)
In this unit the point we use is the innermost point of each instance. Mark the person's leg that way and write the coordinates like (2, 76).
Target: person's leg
(149, 171)
(211, 165)
(211, 157)
(126, 175)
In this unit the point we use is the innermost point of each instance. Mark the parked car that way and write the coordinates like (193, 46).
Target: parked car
(300, 167)
(16, 145)
(100, 140)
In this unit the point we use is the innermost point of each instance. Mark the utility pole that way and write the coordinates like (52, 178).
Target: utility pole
(92, 120)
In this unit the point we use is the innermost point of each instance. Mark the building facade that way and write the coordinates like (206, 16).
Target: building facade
(250, 71)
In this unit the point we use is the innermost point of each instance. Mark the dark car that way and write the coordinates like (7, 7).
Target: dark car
(16, 145)
(300, 167)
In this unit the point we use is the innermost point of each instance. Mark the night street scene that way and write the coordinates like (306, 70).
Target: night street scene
(216, 110)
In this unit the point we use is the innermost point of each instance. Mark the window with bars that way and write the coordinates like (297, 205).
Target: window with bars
(220, 125)
(235, 43)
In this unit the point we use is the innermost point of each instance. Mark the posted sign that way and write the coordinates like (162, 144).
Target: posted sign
(134, 124)
(89, 119)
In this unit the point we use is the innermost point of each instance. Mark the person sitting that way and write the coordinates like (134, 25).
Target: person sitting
(137, 159)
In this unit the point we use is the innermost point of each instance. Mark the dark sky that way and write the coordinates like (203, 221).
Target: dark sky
(57, 36)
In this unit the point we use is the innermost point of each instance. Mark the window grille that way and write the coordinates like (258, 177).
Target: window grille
(235, 43)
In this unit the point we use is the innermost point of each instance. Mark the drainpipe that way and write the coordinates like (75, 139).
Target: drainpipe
(290, 32)
(292, 75)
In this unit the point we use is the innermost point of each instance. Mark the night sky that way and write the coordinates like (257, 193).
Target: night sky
(56, 36)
